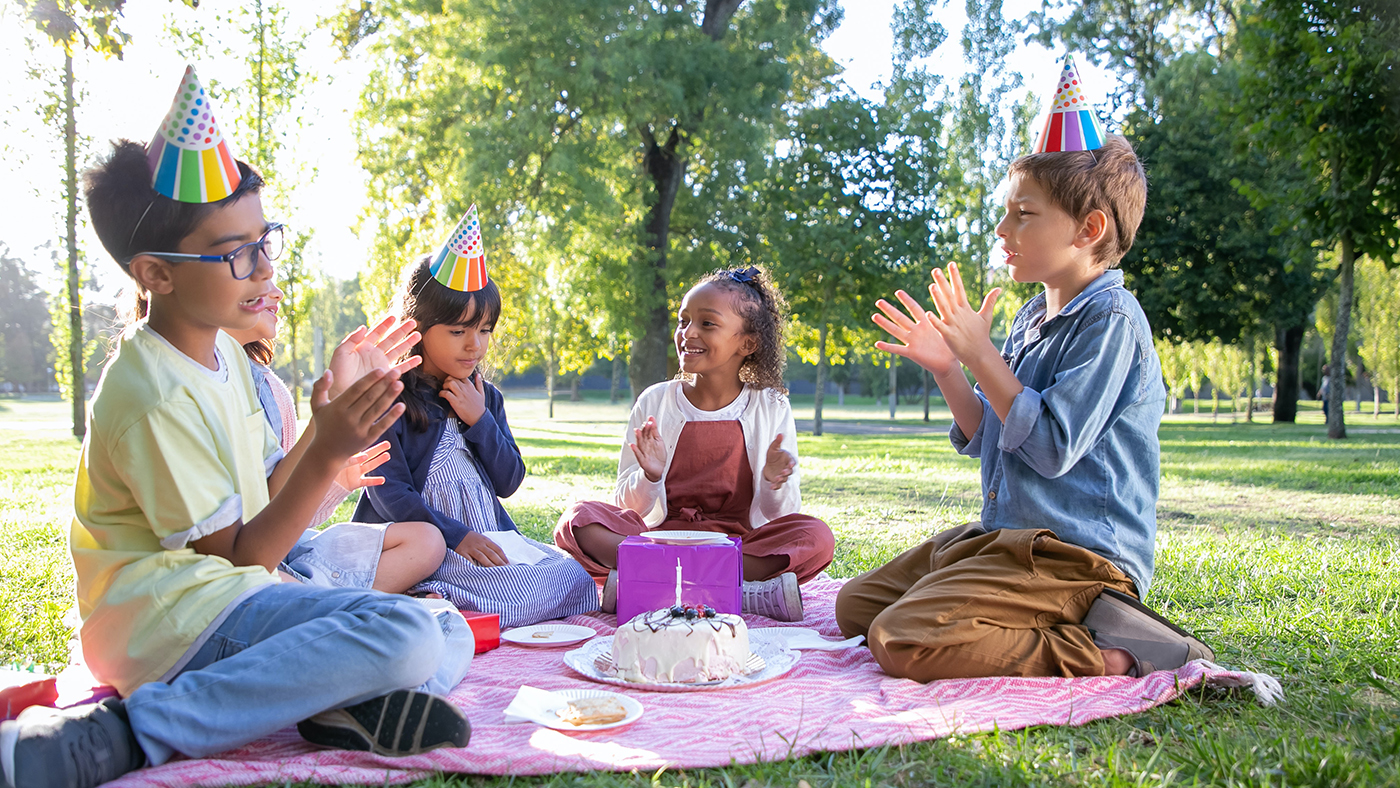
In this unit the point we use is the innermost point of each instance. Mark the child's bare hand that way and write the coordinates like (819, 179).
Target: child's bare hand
(345, 425)
(483, 551)
(356, 472)
(467, 397)
(967, 333)
(921, 342)
(650, 450)
(367, 349)
(779, 465)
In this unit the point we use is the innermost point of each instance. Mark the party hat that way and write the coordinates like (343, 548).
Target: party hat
(189, 155)
(1073, 123)
(461, 265)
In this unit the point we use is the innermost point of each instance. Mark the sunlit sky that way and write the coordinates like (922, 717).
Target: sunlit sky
(129, 98)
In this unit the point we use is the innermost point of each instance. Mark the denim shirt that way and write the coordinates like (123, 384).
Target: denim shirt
(1078, 454)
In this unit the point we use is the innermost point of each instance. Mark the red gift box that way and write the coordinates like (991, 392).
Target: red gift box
(646, 576)
(486, 628)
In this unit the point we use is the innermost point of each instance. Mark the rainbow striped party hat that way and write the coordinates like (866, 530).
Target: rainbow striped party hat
(1073, 123)
(461, 265)
(189, 155)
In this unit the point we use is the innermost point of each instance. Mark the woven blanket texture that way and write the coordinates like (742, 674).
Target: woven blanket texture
(831, 701)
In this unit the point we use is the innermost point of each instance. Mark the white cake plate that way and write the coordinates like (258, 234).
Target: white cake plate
(769, 658)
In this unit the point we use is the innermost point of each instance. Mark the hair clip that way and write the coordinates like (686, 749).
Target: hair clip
(746, 276)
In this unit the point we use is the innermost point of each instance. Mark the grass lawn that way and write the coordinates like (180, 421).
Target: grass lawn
(1279, 547)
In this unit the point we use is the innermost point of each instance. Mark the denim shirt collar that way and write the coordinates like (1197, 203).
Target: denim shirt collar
(1036, 308)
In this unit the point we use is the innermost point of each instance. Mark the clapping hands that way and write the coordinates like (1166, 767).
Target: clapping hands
(937, 342)
(368, 349)
(650, 450)
(779, 465)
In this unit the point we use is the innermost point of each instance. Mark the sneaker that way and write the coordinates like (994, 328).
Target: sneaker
(81, 747)
(778, 599)
(609, 603)
(1117, 620)
(403, 722)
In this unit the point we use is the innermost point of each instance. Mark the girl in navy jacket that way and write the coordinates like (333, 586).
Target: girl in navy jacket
(452, 458)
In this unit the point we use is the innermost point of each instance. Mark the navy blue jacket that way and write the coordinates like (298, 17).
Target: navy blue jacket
(494, 451)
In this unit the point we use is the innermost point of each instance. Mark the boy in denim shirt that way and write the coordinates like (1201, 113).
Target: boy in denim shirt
(1065, 422)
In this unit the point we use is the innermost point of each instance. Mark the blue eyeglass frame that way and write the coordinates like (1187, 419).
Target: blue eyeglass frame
(261, 244)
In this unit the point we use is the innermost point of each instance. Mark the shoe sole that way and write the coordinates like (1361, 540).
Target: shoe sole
(403, 722)
(608, 602)
(1196, 649)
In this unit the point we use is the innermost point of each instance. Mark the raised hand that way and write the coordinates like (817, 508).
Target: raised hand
(919, 340)
(367, 349)
(650, 450)
(467, 397)
(966, 333)
(481, 550)
(779, 465)
(345, 425)
(355, 473)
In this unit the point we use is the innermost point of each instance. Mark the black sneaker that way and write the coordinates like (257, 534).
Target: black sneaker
(81, 747)
(403, 722)
(1117, 620)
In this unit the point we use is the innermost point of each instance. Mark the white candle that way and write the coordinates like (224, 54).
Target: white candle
(678, 582)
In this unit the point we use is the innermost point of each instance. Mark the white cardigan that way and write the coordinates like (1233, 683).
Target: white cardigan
(768, 413)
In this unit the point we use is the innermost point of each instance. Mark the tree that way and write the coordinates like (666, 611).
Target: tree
(1226, 366)
(1323, 78)
(86, 25)
(547, 109)
(1378, 313)
(25, 326)
(1175, 369)
(1207, 263)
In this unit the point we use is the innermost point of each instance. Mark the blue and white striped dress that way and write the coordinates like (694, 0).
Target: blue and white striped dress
(521, 594)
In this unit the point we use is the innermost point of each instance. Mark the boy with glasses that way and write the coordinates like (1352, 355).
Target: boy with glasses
(184, 505)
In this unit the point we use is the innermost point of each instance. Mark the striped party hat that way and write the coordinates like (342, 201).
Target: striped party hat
(190, 157)
(461, 265)
(1073, 123)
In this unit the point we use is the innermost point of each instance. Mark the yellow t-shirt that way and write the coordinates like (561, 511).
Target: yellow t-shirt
(174, 452)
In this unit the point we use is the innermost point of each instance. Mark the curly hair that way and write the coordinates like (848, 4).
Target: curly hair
(763, 309)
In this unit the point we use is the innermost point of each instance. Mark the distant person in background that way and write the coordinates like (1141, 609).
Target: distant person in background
(1324, 389)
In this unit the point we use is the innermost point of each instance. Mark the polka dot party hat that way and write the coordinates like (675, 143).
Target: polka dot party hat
(461, 265)
(1073, 123)
(190, 157)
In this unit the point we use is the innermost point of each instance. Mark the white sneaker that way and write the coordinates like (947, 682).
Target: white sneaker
(779, 599)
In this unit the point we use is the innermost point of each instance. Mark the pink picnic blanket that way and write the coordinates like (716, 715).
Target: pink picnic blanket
(831, 700)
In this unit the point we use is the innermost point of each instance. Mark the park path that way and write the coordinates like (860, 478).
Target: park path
(868, 427)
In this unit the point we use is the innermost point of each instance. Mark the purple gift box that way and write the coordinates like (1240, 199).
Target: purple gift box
(646, 576)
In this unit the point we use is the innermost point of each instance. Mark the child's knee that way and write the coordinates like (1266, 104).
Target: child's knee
(853, 614)
(422, 540)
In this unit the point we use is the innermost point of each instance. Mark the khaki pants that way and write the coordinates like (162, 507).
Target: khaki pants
(967, 604)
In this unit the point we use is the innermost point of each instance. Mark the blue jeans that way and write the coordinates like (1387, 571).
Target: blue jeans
(291, 651)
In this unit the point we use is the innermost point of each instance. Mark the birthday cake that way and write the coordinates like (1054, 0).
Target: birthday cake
(681, 645)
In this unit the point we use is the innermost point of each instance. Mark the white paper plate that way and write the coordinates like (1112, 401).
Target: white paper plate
(551, 720)
(548, 634)
(593, 660)
(686, 537)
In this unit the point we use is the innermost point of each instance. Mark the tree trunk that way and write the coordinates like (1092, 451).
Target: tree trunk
(1289, 342)
(841, 394)
(574, 394)
(894, 383)
(1376, 400)
(1395, 396)
(75, 297)
(926, 395)
(1215, 404)
(821, 375)
(549, 383)
(1336, 394)
(666, 168)
(1253, 382)
(1196, 400)
(616, 379)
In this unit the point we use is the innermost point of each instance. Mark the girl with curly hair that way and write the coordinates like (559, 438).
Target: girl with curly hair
(715, 450)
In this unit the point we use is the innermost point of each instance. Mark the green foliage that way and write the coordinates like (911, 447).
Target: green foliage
(1207, 264)
(82, 24)
(573, 126)
(25, 326)
(1378, 309)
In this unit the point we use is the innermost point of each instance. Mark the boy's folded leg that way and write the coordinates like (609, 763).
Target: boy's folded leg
(80, 747)
(286, 653)
(867, 595)
(1117, 620)
(403, 722)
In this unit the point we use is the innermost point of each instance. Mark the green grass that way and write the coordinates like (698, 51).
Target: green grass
(1280, 547)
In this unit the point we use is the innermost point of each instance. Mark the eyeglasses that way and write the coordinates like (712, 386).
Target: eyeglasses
(242, 262)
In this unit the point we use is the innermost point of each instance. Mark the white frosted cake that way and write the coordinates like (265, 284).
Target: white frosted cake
(681, 645)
